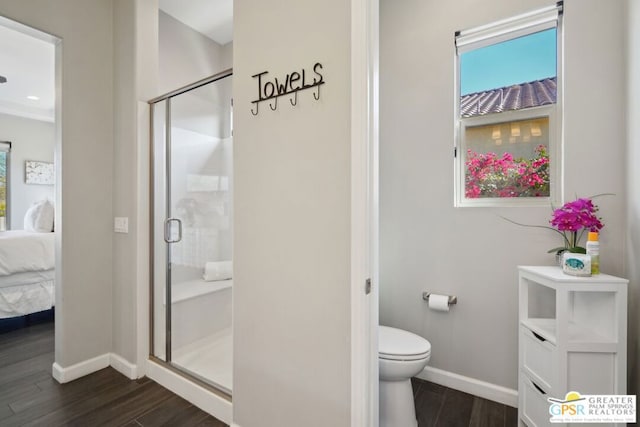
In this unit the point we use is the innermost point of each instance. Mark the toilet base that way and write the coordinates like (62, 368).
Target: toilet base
(397, 408)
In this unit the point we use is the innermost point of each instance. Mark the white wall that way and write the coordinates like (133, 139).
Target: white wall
(31, 140)
(136, 76)
(428, 245)
(186, 55)
(632, 264)
(292, 231)
(85, 156)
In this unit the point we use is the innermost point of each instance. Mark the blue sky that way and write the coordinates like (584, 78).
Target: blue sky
(520, 60)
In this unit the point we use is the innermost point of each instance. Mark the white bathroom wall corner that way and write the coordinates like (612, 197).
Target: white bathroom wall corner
(89, 366)
(80, 369)
(123, 366)
(632, 268)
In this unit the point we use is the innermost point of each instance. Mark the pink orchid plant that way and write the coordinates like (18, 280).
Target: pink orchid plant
(571, 221)
(573, 218)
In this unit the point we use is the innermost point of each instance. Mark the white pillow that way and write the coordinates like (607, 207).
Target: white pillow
(30, 217)
(39, 217)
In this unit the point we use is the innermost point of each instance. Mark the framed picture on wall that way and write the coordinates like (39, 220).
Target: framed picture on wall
(36, 172)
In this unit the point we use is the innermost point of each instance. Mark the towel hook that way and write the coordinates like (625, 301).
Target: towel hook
(296, 98)
(256, 112)
(314, 94)
(274, 107)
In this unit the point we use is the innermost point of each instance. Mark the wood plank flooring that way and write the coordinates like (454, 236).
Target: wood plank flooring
(439, 406)
(29, 396)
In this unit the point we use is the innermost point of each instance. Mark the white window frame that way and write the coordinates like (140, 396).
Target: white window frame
(472, 39)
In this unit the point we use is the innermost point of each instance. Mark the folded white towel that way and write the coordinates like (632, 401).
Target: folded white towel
(219, 270)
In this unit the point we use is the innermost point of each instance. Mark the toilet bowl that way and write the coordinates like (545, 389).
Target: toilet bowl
(401, 355)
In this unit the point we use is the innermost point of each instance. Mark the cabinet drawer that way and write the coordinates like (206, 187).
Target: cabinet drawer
(534, 408)
(538, 357)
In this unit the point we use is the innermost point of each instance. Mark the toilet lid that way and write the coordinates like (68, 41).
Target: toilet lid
(397, 344)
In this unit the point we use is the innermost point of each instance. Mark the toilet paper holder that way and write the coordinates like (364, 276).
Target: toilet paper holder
(452, 298)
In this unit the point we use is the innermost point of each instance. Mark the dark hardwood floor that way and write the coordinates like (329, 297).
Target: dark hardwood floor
(29, 396)
(439, 406)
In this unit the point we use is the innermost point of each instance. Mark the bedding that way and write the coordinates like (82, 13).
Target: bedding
(27, 272)
(25, 299)
(26, 278)
(24, 251)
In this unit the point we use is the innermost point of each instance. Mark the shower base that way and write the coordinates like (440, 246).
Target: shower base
(209, 358)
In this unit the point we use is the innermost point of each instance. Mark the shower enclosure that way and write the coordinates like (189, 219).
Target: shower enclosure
(191, 207)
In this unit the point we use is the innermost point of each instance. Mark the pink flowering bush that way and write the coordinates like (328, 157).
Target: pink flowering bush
(490, 175)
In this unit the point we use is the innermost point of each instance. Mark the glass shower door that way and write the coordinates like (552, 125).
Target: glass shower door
(194, 232)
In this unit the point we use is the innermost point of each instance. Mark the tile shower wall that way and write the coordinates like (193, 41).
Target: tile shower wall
(203, 199)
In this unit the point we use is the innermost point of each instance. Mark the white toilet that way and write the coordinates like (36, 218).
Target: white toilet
(401, 355)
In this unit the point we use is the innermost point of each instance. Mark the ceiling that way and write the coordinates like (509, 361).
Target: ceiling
(28, 62)
(213, 18)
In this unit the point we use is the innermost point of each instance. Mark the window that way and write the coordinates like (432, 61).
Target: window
(508, 111)
(5, 149)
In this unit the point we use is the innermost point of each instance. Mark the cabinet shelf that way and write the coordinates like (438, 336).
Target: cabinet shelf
(577, 335)
(543, 327)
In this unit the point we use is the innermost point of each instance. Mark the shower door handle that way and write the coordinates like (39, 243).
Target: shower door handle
(167, 230)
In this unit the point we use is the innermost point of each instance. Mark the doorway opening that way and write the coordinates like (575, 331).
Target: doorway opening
(29, 165)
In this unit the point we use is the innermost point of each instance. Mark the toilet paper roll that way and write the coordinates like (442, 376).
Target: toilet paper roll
(439, 302)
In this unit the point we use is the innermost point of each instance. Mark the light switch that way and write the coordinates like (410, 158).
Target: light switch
(121, 224)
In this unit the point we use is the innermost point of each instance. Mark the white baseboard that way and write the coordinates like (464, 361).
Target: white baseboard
(204, 399)
(64, 375)
(123, 366)
(469, 385)
(119, 363)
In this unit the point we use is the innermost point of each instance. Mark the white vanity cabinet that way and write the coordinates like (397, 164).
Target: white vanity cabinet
(572, 337)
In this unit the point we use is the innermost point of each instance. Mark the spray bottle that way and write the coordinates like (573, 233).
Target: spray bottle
(593, 250)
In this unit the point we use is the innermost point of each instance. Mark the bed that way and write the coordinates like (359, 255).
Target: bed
(27, 273)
